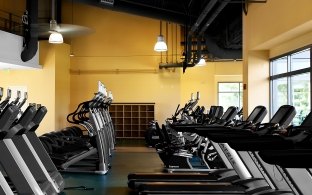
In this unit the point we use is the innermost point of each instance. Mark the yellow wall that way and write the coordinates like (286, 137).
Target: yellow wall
(120, 54)
(271, 29)
(275, 22)
(62, 85)
(205, 79)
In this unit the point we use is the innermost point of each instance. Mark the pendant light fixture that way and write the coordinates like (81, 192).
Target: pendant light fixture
(202, 62)
(160, 44)
(55, 37)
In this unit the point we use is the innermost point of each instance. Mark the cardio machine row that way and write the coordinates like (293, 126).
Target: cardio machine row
(88, 146)
(26, 168)
(245, 171)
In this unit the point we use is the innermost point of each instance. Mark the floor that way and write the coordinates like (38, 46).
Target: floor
(129, 156)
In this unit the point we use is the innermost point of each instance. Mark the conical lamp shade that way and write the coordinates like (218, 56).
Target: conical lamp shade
(56, 38)
(201, 62)
(161, 44)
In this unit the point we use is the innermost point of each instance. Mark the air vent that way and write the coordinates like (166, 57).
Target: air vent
(107, 2)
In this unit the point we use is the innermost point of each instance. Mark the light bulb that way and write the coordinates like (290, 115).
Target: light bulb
(56, 38)
(160, 45)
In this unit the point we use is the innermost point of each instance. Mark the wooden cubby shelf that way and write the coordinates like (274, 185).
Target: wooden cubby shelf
(131, 119)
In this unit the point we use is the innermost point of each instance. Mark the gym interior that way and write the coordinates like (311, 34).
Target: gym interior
(103, 111)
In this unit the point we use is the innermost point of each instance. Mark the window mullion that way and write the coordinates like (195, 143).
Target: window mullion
(310, 76)
(289, 91)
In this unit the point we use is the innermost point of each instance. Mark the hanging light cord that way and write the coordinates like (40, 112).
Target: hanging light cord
(160, 29)
(168, 42)
(53, 10)
(176, 43)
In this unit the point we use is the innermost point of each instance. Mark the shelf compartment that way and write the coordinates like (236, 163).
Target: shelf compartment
(112, 108)
(119, 121)
(132, 119)
(127, 121)
(135, 108)
(143, 121)
(119, 108)
(127, 133)
(127, 114)
(135, 133)
(150, 114)
(142, 108)
(127, 108)
(127, 127)
(142, 114)
(150, 108)
(135, 127)
(135, 114)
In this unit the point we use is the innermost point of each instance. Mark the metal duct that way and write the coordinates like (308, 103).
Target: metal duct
(195, 26)
(221, 53)
(203, 15)
(214, 15)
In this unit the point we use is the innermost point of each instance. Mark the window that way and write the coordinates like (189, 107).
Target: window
(291, 82)
(230, 94)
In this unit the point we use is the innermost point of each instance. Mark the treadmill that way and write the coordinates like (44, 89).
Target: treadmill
(4, 186)
(246, 184)
(11, 161)
(40, 153)
(17, 134)
(227, 174)
(226, 134)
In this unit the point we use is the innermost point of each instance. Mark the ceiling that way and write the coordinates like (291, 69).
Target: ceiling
(213, 28)
(218, 22)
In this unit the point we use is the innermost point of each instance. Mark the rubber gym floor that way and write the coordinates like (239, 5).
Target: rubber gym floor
(129, 156)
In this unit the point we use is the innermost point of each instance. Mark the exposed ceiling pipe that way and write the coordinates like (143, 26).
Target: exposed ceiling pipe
(174, 65)
(203, 15)
(195, 26)
(213, 17)
(171, 65)
(188, 50)
(199, 51)
(197, 57)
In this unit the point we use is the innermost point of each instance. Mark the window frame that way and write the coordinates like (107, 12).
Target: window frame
(240, 91)
(289, 74)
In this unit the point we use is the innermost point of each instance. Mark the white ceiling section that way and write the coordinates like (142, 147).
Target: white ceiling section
(11, 47)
